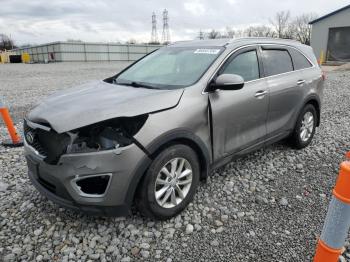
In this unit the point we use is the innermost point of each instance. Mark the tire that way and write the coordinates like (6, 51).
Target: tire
(299, 140)
(146, 200)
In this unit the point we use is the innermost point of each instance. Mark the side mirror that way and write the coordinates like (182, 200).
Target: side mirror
(227, 82)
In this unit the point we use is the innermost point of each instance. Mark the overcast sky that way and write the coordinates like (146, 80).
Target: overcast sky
(40, 21)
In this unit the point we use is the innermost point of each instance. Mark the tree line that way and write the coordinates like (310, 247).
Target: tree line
(282, 25)
(6, 43)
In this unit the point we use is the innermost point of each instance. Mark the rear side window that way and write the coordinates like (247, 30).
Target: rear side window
(276, 61)
(245, 64)
(299, 60)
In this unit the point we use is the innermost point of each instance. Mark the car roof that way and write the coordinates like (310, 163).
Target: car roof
(239, 42)
(229, 42)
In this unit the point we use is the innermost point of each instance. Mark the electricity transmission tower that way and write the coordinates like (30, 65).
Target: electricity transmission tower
(165, 34)
(154, 37)
(201, 35)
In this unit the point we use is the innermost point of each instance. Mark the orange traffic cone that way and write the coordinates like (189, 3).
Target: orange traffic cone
(337, 222)
(15, 138)
(348, 155)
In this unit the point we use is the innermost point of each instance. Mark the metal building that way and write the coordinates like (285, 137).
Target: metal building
(330, 36)
(86, 52)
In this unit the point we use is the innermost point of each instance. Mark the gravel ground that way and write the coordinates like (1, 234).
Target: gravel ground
(23, 85)
(267, 206)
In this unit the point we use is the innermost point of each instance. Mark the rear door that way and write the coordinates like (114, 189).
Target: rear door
(285, 91)
(239, 116)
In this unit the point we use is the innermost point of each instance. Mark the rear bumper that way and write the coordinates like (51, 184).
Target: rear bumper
(56, 181)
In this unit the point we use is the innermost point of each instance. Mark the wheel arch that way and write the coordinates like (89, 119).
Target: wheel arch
(315, 102)
(186, 137)
(179, 136)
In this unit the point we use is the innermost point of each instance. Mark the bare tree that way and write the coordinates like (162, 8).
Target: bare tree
(230, 32)
(6, 42)
(131, 41)
(280, 24)
(259, 31)
(301, 28)
(213, 34)
(234, 33)
(240, 33)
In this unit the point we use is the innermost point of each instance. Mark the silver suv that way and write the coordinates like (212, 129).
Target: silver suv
(149, 134)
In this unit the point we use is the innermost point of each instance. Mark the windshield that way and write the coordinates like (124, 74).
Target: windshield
(170, 68)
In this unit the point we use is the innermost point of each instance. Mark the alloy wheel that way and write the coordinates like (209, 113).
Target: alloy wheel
(307, 126)
(173, 182)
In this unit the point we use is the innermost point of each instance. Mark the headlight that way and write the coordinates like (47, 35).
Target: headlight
(105, 135)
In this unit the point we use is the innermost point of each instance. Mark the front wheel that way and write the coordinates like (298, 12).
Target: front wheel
(169, 184)
(305, 127)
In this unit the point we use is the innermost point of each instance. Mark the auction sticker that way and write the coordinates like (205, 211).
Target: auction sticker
(207, 51)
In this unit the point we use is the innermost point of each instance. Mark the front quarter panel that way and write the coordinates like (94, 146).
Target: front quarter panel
(191, 116)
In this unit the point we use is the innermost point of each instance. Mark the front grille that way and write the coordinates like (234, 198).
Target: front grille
(49, 144)
(35, 143)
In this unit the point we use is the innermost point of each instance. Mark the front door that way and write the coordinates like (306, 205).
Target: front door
(239, 116)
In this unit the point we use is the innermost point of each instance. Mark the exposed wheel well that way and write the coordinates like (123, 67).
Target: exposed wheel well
(185, 141)
(316, 105)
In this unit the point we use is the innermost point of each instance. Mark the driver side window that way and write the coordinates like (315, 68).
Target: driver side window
(245, 64)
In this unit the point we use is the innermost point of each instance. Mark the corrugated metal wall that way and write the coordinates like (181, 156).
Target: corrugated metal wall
(86, 52)
(320, 31)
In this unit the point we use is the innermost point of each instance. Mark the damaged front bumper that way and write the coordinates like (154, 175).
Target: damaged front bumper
(120, 168)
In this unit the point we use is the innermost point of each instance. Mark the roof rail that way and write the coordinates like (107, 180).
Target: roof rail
(232, 40)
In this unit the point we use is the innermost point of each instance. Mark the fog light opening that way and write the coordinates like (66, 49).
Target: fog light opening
(92, 186)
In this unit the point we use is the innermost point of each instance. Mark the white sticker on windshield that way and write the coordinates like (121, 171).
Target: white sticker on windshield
(207, 51)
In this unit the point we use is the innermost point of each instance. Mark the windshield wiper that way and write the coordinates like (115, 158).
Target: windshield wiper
(137, 84)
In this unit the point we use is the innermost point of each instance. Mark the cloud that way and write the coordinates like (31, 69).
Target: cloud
(195, 7)
(232, 2)
(40, 21)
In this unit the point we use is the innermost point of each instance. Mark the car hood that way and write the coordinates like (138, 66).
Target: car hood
(98, 101)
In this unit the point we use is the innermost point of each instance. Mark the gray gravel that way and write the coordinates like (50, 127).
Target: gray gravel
(23, 85)
(267, 206)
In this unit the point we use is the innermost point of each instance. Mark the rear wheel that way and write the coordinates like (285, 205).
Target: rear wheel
(169, 184)
(305, 127)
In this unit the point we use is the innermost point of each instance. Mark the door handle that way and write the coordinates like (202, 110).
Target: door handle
(300, 82)
(260, 94)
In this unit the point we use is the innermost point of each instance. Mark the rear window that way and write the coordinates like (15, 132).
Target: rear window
(276, 61)
(299, 60)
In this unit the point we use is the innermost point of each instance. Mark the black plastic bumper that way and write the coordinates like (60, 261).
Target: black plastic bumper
(122, 210)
